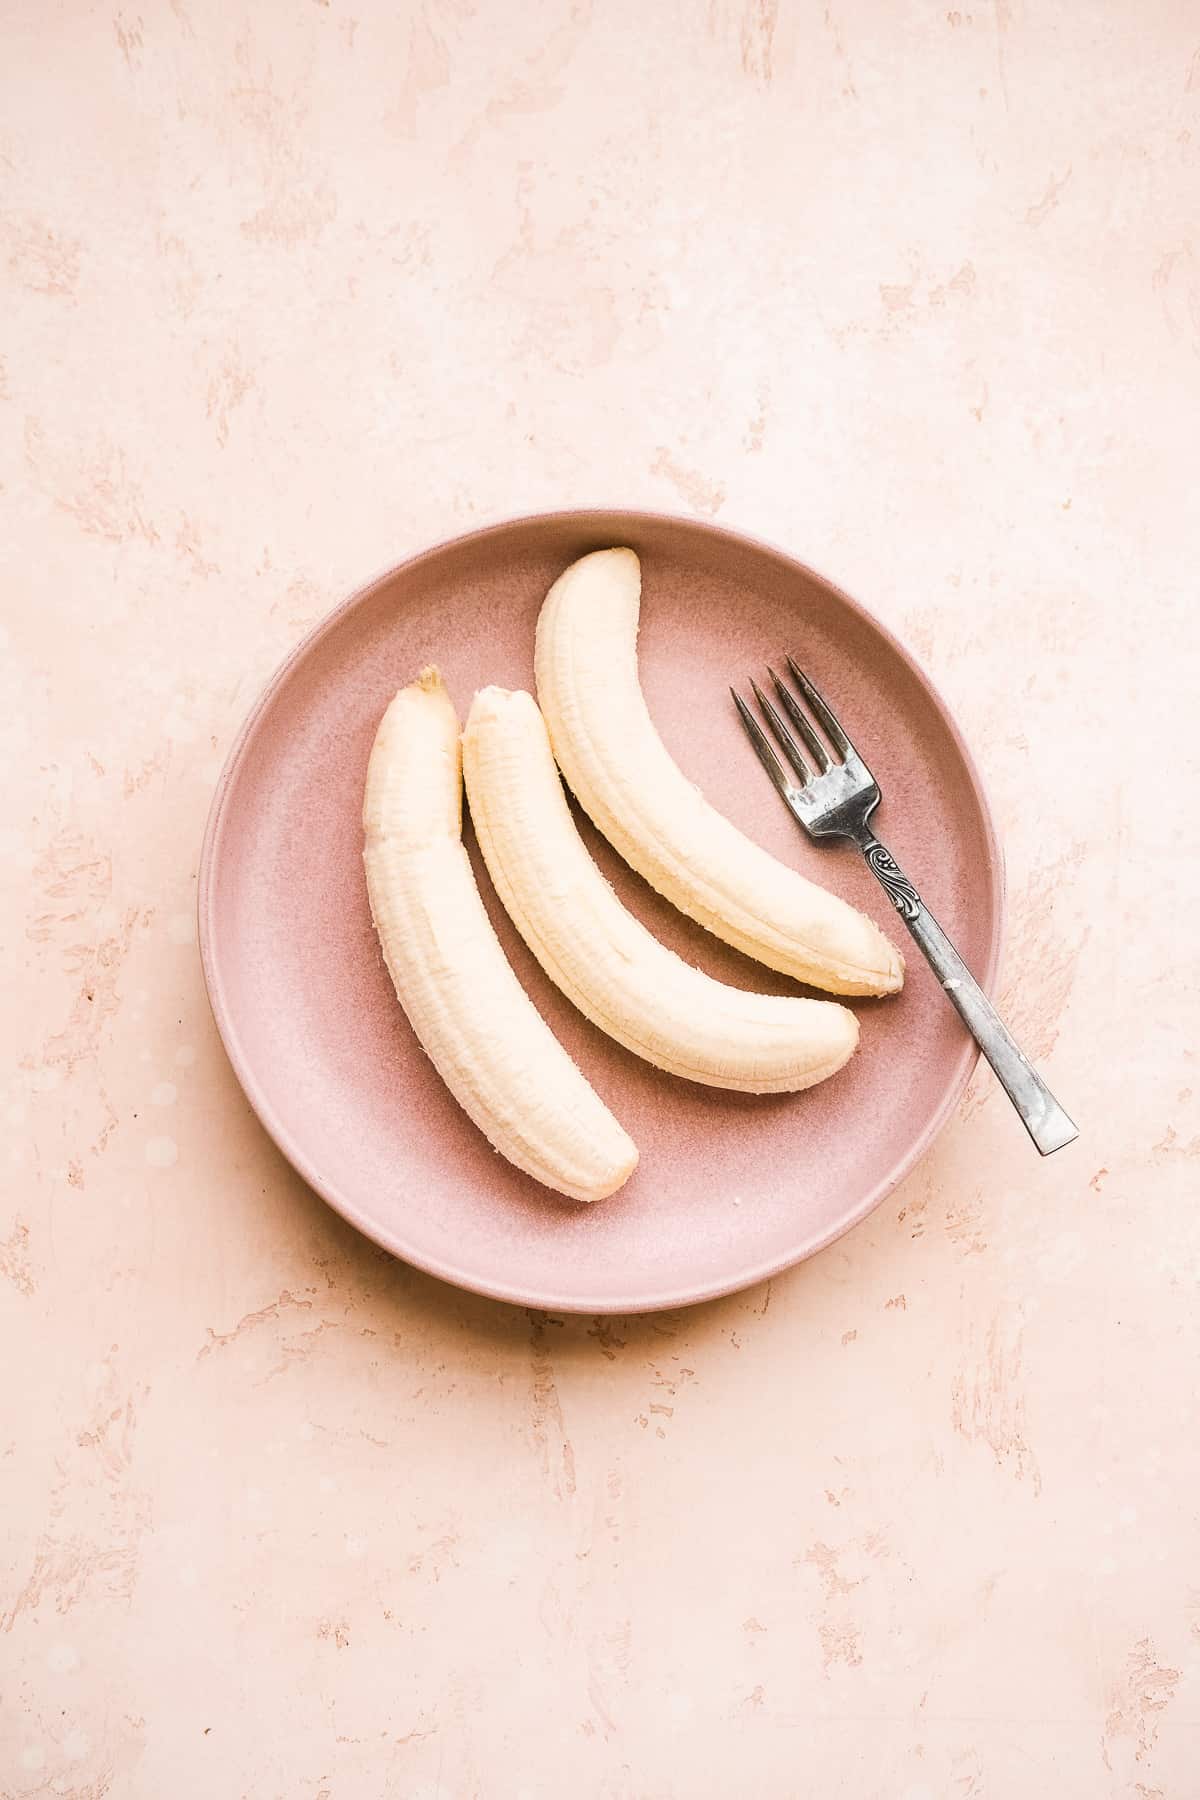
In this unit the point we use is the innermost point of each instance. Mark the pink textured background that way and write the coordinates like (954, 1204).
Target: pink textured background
(287, 291)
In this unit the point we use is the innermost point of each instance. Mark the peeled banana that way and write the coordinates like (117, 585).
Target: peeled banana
(599, 954)
(474, 1020)
(625, 779)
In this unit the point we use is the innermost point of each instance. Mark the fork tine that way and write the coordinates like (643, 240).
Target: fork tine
(766, 755)
(799, 718)
(833, 730)
(783, 736)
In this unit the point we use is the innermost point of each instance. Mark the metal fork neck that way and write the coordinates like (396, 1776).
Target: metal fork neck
(892, 879)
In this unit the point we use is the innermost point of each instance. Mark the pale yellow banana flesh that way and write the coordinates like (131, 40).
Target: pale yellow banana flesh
(625, 779)
(599, 954)
(471, 1015)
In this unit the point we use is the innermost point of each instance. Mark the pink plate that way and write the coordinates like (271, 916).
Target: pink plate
(731, 1187)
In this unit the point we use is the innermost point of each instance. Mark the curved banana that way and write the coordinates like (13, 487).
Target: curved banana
(471, 1015)
(603, 958)
(624, 777)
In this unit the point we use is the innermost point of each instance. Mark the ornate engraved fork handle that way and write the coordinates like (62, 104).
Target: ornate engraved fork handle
(892, 879)
(1044, 1119)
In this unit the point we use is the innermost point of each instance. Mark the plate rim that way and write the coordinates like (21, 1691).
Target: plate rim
(444, 1269)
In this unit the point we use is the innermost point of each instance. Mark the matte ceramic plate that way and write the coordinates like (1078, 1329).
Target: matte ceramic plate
(731, 1188)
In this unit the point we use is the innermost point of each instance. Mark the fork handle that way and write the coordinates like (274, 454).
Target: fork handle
(1043, 1118)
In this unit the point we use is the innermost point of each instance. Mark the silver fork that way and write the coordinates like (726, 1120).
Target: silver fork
(835, 798)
